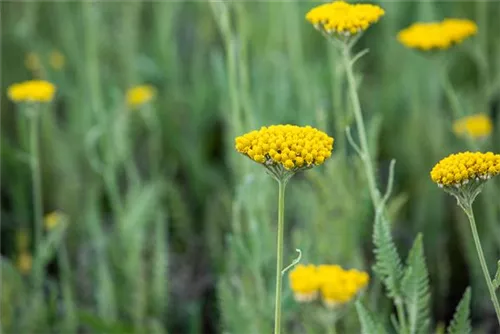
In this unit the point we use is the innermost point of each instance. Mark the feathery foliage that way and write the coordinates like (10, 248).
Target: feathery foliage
(461, 320)
(369, 324)
(415, 288)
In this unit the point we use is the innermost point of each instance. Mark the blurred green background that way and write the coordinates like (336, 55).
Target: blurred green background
(168, 228)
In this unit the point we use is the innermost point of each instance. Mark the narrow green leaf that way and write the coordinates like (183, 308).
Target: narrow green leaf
(461, 320)
(387, 261)
(369, 324)
(415, 288)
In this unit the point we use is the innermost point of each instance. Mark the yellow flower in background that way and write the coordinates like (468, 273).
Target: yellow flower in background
(22, 239)
(475, 126)
(289, 146)
(53, 219)
(339, 286)
(335, 285)
(304, 282)
(32, 62)
(24, 262)
(57, 60)
(342, 18)
(464, 168)
(32, 91)
(437, 35)
(140, 95)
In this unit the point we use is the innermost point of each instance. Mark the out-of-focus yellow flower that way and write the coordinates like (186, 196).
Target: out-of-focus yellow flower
(32, 62)
(304, 282)
(57, 60)
(290, 146)
(51, 220)
(339, 286)
(437, 35)
(22, 239)
(24, 262)
(460, 169)
(32, 91)
(140, 95)
(475, 126)
(335, 285)
(344, 19)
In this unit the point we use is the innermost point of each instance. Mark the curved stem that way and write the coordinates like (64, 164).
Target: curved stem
(484, 267)
(363, 142)
(279, 255)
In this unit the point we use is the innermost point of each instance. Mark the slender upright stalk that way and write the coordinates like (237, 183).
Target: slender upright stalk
(363, 142)
(279, 255)
(470, 214)
(33, 114)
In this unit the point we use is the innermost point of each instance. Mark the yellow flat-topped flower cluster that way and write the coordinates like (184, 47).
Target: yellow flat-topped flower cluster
(140, 95)
(290, 146)
(343, 18)
(475, 126)
(32, 91)
(437, 35)
(335, 285)
(461, 168)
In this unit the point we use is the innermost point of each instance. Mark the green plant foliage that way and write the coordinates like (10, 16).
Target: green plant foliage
(461, 319)
(387, 261)
(369, 324)
(415, 288)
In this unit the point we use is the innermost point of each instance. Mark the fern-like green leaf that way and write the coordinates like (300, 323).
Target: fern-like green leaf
(461, 320)
(415, 289)
(387, 261)
(369, 324)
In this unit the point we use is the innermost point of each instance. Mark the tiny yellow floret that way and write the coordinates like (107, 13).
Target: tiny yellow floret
(475, 126)
(24, 262)
(32, 62)
(140, 95)
(32, 91)
(51, 220)
(461, 168)
(441, 35)
(278, 145)
(57, 60)
(342, 18)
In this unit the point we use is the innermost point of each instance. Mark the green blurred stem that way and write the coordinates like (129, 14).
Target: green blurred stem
(33, 114)
(470, 214)
(279, 255)
(363, 142)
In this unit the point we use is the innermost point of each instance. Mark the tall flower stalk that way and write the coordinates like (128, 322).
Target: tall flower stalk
(284, 150)
(463, 175)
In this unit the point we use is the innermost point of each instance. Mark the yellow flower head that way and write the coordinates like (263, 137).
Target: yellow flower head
(336, 285)
(53, 219)
(475, 126)
(24, 262)
(32, 91)
(32, 62)
(286, 146)
(464, 168)
(437, 35)
(339, 286)
(344, 19)
(140, 95)
(57, 60)
(304, 282)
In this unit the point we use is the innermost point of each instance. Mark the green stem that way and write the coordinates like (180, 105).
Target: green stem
(37, 184)
(401, 315)
(484, 267)
(363, 142)
(279, 255)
